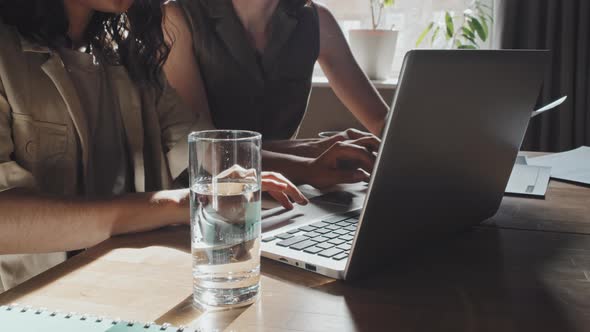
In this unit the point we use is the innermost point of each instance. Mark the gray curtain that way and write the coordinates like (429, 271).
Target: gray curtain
(562, 26)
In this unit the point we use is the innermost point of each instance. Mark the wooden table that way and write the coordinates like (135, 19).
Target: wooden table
(527, 269)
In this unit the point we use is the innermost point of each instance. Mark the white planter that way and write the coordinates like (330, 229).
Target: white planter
(374, 51)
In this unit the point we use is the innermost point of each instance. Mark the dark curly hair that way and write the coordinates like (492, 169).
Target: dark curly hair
(133, 39)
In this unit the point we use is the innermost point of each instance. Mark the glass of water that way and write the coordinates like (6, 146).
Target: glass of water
(225, 217)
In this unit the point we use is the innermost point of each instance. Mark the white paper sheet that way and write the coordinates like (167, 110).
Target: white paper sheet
(528, 180)
(572, 166)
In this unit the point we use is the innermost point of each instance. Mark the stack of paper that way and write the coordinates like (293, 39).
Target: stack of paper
(528, 180)
(571, 166)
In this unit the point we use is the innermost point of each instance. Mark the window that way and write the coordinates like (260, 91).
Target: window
(410, 17)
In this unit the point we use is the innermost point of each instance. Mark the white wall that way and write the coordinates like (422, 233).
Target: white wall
(325, 111)
(408, 16)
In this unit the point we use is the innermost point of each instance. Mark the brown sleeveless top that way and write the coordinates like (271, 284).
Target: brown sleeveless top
(246, 90)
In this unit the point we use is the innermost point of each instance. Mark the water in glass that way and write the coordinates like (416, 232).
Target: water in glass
(225, 222)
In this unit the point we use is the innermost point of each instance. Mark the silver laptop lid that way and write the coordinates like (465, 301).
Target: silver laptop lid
(457, 122)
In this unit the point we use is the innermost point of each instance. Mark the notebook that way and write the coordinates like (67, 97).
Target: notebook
(528, 180)
(26, 319)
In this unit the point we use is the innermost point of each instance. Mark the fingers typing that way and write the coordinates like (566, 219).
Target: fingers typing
(290, 189)
(282, 199)
(344, 155)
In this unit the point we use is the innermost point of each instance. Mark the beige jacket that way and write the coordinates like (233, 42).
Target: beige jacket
(44, 136)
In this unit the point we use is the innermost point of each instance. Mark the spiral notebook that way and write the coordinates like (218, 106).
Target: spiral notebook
(25, 319)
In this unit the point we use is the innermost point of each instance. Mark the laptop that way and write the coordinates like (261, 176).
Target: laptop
(451, 139)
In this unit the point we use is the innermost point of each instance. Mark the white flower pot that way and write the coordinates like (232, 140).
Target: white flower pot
(374, 51)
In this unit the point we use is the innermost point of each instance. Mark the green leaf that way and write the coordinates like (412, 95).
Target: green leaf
(476, 25)
(424, 34)
(387, 3)
(485, 25)
(483, 13)
(467, 32)
(484, 10)
(483, 5)
(450, 25)
(434, 35)
(469, 38)
(467, 47)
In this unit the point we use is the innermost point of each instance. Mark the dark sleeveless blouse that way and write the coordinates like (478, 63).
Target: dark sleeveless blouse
(246, 90)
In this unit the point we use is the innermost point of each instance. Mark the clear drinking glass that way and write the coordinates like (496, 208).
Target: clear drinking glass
(225, 216)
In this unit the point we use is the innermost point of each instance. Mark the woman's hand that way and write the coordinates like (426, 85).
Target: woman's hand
(349, 158)
(281, 189)
(343, 162)
(277, 186)
(352, 136)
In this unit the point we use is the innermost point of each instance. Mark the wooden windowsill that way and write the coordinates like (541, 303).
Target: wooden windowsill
(322, 82)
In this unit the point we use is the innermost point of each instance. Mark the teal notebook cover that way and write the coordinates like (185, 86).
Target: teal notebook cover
(17, 319)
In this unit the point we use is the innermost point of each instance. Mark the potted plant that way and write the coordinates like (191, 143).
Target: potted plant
(464, 31)
(374, 48)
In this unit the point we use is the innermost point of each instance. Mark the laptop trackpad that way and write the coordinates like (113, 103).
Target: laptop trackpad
(342, 195)
(344, 198)
(338, 200)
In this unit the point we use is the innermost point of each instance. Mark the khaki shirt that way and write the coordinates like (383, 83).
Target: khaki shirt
(44, 135)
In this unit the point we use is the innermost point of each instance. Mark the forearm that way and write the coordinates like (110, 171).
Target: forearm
(142, 212)
(299, 147)
(32, 223)
(291, 166)
(358, 94)
(346, 78)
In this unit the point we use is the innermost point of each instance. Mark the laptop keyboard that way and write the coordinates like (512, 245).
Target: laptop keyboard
(329, 238)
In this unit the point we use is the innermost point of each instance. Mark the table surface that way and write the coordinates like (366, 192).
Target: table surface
(526, 269)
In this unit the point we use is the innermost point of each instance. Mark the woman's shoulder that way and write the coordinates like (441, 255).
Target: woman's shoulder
(306, 12)
(191, 8)
(187, 14)
(9, 36)
(13, 46)
(320, 9)
(299, 5)
(177, 11)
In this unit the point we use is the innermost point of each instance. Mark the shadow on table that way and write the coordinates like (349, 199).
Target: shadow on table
(484, 280)
(186, 314)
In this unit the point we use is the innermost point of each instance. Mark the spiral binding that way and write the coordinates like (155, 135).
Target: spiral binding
(97, 319)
